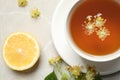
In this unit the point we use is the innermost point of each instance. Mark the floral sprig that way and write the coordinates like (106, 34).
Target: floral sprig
(74, 70)
(62, 71)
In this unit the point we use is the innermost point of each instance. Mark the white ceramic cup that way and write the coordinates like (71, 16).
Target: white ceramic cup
(80, 52)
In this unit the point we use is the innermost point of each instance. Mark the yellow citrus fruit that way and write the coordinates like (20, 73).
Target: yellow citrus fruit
(21, 51)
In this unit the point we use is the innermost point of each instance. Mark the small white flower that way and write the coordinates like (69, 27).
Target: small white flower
(103, 33)
(90, 28)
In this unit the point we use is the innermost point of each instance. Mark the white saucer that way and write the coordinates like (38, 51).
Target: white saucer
(65, 51)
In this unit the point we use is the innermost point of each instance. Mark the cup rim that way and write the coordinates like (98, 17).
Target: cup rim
(83, 54)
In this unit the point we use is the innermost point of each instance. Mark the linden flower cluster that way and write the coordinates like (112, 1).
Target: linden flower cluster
(96, 24)
(35, 13)
(22, 3)
(74, 70)
(54, 60)
(90, 74)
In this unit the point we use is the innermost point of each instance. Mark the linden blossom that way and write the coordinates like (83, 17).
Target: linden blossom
(96, 24)
(35, 13)
(22, 3)
(90, 28)
(99, 21)
(103, 33)
(89, 25)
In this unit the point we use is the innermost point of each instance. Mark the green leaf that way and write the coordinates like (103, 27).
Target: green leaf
(98, 77)
(51, 76)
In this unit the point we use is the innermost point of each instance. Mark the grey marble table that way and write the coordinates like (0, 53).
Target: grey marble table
(14, 18)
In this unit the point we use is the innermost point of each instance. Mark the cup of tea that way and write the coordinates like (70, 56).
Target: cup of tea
(93, 29)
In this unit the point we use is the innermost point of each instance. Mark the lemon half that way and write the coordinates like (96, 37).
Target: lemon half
(21, 51)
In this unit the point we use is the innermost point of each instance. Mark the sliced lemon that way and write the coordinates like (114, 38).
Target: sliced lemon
(21, 51)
